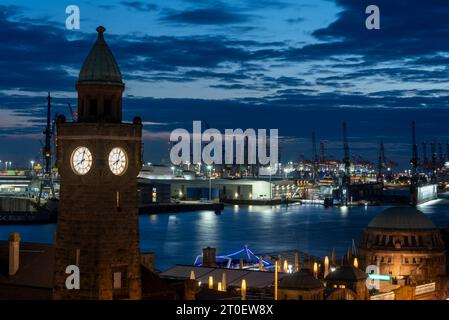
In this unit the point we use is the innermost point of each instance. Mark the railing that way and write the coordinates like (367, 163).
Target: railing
(425, 288)
(383, 296)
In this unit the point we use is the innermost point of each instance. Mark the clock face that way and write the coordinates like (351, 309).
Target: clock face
(118, 161)
(81, 160)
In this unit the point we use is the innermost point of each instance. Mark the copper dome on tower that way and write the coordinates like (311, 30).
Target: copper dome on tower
(100, 65)
(401, 218)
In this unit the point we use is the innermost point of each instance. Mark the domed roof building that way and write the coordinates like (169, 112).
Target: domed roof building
(346, 282)
(401, 218)
(405, 244)
(300, 286)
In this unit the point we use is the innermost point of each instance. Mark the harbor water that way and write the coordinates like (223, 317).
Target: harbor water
(179, 238)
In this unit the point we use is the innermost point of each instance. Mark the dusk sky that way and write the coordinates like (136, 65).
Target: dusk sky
(295, 65)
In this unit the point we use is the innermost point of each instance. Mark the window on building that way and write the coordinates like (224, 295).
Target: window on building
(382, 259)
(406, 260)
(390, 241)
(414, 260)
(93, 107)
(420, 241)
(107, 107)
(120, 282)
(154, 195)
(117, 280)
(389, 260)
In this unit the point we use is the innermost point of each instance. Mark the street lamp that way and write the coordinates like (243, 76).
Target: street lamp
(173, 171)
(210, 181)
(32, 166)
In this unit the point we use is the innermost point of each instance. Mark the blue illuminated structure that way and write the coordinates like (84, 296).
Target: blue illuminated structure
(232, 260)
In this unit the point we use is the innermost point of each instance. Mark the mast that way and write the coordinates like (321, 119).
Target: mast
(314, 157)
(425, 159)
(381, 162)
(414, 163)
(47, 179)
(322, 152)
(346, 181)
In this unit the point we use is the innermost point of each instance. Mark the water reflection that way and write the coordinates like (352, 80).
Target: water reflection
(179, 238)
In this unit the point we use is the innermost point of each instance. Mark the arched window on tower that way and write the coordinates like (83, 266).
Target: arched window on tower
(107, 108)
(93, 107)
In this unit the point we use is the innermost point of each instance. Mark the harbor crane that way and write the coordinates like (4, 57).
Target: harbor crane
(346, 180)
(315, 161)
(47, 179)
(414, 163)
(381, 163)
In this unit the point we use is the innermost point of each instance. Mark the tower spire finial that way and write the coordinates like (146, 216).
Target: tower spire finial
(100, 30)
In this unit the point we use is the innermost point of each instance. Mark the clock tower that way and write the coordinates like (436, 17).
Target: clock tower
(98, 159)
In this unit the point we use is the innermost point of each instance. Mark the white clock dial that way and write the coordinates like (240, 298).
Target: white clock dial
(81, 160)
(118, 161)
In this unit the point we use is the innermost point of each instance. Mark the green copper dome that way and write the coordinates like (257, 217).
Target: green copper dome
(100, 65)
(401, 218)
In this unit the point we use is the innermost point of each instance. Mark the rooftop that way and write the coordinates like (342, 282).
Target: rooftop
(300, 280)
(347, 273)
(100, 65)
(401, 218)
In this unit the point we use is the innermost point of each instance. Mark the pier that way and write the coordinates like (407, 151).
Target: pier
(180, 207)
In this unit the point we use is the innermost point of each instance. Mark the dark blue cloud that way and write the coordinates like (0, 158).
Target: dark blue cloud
(139, 5)
(218, 15)
(409, 29)
(411, 47)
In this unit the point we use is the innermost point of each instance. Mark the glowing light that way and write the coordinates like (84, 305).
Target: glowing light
(243, 289)
(211, 282)
(285, 266)
(219, 288)
(224, 281)
(383, 277)
(192, 275)
(356, 263)
(315, 270)
(326, 266)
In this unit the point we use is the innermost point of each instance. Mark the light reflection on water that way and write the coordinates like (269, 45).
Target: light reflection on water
(179, 238)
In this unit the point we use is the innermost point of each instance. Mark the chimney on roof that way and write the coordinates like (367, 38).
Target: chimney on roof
(209, 257)
(14, 248)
